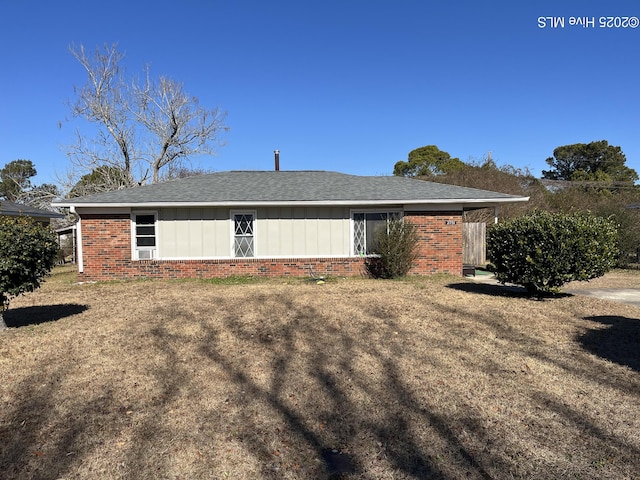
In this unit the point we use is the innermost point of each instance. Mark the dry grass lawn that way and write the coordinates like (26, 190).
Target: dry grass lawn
(425, 378)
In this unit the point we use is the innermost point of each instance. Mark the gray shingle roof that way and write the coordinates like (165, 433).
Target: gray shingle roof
(295, 187)
(16, 209)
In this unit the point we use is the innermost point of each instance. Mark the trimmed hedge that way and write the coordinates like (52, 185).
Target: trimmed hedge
(542, 251)
(28, 252)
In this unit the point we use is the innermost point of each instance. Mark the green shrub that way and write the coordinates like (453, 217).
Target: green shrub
(395, 250)
(28, 251)
(543, 251)
(628, 223)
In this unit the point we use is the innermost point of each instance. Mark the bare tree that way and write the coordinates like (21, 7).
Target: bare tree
(179, 127)
(173, 172)
(39, 196)
(142, 127)
(104, 100)
(101, 179)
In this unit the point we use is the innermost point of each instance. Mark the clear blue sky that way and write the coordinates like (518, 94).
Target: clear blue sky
(349, 85)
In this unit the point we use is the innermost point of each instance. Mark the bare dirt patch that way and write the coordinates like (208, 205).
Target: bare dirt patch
(394, 379)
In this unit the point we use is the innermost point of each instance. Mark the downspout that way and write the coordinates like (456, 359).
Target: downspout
(79, 260)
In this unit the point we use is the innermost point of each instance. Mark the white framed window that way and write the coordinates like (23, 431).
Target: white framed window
(144, 235)
(243, 229)
(365, 227)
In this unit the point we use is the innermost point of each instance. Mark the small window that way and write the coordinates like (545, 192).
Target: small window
(366, 226)
(243, 241)
(145, 236)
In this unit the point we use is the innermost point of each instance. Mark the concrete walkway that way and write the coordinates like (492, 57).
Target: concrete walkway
(629, 296)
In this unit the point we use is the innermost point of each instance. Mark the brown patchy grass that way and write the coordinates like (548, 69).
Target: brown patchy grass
(615, 279)
(425, 378)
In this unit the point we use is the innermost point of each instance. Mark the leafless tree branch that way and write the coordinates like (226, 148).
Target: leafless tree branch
(142, 127)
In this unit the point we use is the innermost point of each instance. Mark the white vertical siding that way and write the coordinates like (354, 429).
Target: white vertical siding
(194, 233)
(303, 231)
(280, 232)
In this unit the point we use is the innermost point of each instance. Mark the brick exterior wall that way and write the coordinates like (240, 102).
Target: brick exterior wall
(440, 242)
(106, 247)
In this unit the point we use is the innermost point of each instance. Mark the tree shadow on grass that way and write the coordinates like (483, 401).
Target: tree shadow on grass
(24, 316)
(308, 393)
(513, 291)
(618, 341)
(38, 442)
(490, 289)
(333, 422)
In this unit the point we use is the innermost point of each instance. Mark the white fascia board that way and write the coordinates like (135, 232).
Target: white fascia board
(86, 210)
(452, 201)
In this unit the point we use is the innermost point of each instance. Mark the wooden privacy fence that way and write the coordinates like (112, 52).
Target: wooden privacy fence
(474, 244)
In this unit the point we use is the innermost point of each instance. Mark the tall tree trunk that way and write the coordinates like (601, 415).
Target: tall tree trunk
(3, 325)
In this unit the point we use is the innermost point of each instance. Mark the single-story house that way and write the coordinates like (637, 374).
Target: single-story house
(16, 209)
(266, 223)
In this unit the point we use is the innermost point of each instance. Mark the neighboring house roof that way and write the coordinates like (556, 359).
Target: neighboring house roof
(255, 188)
(15, 209)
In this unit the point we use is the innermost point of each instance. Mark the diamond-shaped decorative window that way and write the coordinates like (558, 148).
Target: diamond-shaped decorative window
(243, 235)
(244, 224)
(366, 226)
(243, 246)
(359, 239)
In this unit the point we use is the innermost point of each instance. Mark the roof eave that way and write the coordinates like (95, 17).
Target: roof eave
(31, 214)
(442, 201)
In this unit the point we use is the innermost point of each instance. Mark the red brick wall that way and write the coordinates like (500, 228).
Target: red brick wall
(440, 242)
(226, 268)
(106, 246)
